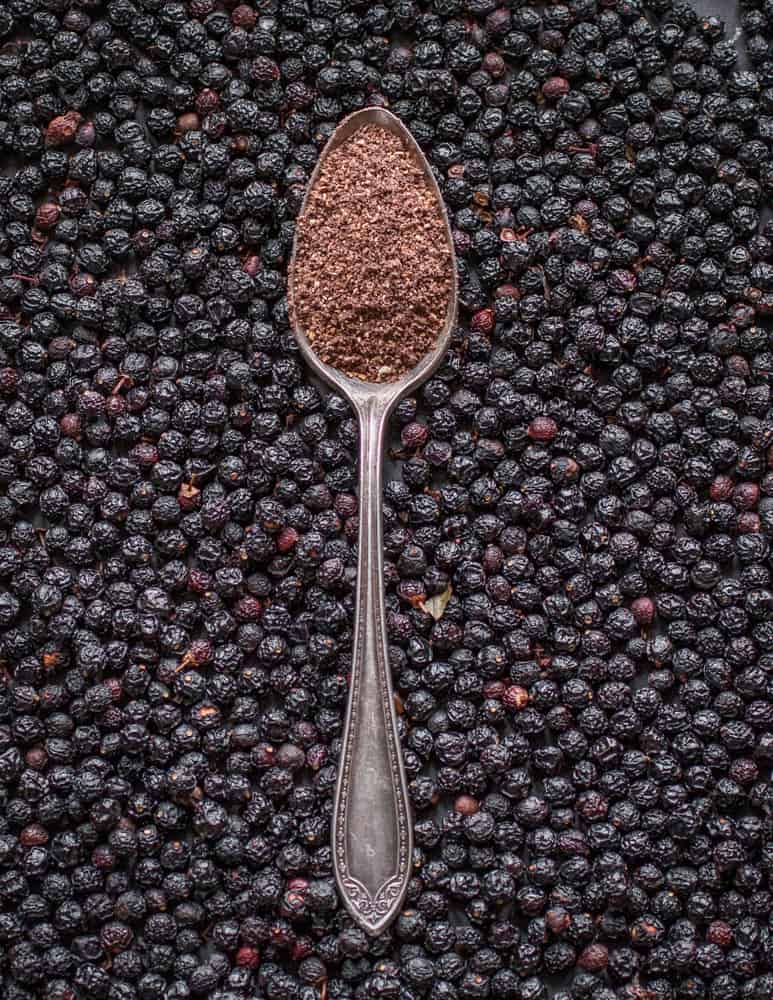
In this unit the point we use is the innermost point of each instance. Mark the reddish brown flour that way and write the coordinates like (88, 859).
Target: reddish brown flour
(373, 272)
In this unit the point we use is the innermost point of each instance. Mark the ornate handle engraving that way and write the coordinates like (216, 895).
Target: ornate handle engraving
(372, 830)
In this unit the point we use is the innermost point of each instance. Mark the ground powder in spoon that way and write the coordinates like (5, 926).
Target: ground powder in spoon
(373, 271)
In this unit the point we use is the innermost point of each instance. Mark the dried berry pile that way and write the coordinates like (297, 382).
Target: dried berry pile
(579, 542)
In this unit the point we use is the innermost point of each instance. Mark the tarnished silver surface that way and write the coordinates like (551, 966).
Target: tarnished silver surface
(372, 838)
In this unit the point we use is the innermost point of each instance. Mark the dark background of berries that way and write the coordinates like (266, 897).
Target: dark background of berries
(588, 726)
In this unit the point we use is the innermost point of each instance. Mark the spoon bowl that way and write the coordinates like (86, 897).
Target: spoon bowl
(372, 834)
(354, 388)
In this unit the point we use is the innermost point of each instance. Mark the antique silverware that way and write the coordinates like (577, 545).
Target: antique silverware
(372, 837)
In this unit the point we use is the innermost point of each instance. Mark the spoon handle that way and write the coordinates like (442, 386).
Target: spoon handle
(371, 822)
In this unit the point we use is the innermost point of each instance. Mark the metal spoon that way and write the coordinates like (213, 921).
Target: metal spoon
(372, 835)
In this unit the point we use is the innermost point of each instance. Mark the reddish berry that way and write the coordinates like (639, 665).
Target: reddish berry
(199, 581)
(414, 435)
(286, 539)
(188, 122)
(47, 216)
(302, 948)
(748, 523)
(9, 379)
(557, 919)
(115, 406)
(719, 932)
(62, 129)
(493, 63)
(466, 805)
(36, 758)
(248, 609)
(721, 488)
(207, 101)
(70, 425)
(483, 321)
(593, 958)
(244, 16)
(251, 265)
(188, 496)
(542, 429)
(643, 610)
(33, 835)
(249, 957)
(345, 504)
(555, 87)
(200, 652)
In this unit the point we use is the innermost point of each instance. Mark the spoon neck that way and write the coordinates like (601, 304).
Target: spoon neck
(373, 424)
(373, 411)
